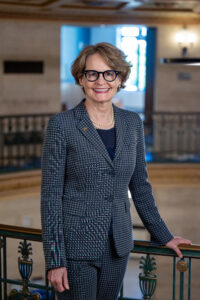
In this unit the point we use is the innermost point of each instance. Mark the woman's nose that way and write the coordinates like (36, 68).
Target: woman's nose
(101, 78)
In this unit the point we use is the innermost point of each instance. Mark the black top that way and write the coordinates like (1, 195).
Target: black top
(109, 140)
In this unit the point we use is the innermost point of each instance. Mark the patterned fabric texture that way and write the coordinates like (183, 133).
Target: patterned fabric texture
(83, 189)
(96, 280)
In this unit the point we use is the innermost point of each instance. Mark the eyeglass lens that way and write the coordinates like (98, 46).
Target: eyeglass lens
(109, 75)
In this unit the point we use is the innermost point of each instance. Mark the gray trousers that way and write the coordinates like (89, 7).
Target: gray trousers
(96, 280)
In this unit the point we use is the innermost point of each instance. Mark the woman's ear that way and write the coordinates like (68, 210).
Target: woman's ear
(119, 80)
(80, 80)
(119, 83)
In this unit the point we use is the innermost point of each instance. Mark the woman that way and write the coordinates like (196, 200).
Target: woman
(92, 155)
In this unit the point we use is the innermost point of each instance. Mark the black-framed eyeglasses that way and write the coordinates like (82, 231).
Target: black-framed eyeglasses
(108, 75)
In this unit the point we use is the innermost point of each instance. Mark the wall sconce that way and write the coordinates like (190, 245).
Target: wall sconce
(185, 40)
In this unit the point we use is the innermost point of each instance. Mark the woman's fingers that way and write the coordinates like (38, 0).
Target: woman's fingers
(177, 250)
(58, 278)
(65, 280)
(173, 244)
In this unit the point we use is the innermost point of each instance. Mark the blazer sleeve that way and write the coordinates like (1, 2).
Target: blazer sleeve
(53, 172)
(143, 198)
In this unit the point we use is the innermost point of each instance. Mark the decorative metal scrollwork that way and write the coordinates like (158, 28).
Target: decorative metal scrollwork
(147, 279)
(25, 266)
(182, 266)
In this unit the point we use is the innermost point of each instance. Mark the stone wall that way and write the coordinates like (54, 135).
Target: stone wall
(30, 41)
(33, 93)
(172, 92)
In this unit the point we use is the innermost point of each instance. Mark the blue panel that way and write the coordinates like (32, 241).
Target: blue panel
(73, 39)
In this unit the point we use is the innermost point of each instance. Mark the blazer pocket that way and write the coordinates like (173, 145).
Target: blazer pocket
(72, 215)
(128, 213)
(127, 206)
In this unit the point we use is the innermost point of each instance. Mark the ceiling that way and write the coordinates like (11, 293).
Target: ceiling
(104, 11)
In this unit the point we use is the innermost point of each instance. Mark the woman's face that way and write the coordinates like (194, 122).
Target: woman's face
(99, 90)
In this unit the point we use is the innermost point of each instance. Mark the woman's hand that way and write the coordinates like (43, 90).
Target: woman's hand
(177, 240)
(58, 278)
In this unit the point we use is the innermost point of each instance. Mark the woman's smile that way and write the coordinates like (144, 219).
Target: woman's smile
(101, 90)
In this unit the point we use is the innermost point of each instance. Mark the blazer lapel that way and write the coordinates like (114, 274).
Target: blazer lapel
(88, 130)
(121, 130)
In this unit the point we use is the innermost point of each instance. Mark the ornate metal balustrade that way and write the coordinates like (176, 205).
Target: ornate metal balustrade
(25, 265)
(172, 136)
(147, 278)
(181, 267)
(169, 136)
(21, 138)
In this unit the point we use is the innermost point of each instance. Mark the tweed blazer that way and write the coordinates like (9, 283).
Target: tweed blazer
(83, 189)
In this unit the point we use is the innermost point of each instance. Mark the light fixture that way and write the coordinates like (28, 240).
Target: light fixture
(185, 39)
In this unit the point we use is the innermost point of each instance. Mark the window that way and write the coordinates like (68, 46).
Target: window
(132, 41)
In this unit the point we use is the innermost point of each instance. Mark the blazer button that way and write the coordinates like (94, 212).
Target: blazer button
(109, 198)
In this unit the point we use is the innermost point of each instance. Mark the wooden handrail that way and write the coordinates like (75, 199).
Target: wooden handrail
(192, 247)
(38, 232)
(20, 229)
